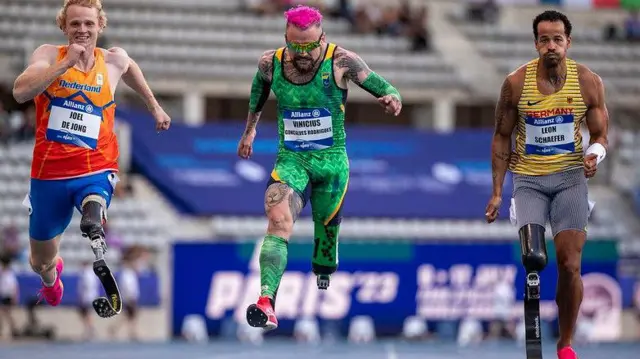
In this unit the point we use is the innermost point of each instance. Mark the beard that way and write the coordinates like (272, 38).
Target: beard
(550, 60)
(303, 64)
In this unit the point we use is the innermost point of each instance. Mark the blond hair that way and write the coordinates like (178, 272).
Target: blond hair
(61, 19)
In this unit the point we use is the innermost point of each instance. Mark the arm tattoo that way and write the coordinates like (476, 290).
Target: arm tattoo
(355, 68)
(265, 66)
(503, 156)
(276, 193)
(501, 144)
(260, 89)
(252, 122)
(295, 205)
(503, 110)
(357, 71)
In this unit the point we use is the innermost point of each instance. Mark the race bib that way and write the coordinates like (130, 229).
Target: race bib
(307, 129)
(74, 123)
(550, 135)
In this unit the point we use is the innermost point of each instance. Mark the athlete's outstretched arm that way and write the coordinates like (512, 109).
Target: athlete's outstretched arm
(354, 69)
(41, 71)
(506, 116)
(260, 89)
(133, 77)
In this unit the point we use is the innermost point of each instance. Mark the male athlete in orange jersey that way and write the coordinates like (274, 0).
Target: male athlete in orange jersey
(75, 158)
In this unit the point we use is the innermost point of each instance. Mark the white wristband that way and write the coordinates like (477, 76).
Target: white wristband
(598, 150)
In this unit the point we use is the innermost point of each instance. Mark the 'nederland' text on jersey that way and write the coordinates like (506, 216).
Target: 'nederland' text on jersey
(82, 87)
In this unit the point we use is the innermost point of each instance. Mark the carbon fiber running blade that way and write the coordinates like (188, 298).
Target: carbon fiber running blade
(112, 304)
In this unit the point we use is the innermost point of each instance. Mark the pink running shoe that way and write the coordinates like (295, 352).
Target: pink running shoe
(567, 353)
(262, 315)
(53, 294)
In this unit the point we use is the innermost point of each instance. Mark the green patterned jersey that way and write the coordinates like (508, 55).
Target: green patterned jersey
(310, 115)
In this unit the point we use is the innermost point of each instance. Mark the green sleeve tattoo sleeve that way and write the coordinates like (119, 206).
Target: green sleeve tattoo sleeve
(378, 86)
(259, 93)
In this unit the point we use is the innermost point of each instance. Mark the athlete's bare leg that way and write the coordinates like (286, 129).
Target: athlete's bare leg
(43, 258)
(280, 210)
(282, 206)
(569, 244)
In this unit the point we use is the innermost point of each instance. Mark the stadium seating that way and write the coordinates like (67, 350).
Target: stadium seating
(202, 41)
(617, 63)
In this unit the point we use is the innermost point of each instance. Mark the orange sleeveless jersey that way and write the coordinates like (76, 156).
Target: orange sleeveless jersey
(74, 124)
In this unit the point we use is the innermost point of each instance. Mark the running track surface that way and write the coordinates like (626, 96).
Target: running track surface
(290, 350)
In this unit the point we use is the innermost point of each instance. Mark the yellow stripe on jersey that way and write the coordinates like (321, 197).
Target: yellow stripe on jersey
(548, 137)
(330, 50)
(279, 53)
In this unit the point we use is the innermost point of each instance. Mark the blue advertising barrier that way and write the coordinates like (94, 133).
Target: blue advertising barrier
(30, 284)
(388, 281)
(629, 279)
(394, 172)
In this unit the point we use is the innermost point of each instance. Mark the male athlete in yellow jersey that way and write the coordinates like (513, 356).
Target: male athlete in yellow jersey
(546, 101)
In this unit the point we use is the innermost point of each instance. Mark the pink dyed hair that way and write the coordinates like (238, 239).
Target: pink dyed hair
(303, 17)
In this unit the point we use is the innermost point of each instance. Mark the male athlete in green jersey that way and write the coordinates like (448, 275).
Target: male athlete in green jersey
(309, 79)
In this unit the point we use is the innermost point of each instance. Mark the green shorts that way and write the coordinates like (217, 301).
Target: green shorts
(322, 176)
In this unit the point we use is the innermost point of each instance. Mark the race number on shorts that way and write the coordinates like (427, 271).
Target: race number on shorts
(74, 123)
(307, 129)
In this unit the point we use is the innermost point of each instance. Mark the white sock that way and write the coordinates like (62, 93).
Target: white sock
(55, 276)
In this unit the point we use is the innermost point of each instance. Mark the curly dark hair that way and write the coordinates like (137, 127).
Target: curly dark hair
(552, 16)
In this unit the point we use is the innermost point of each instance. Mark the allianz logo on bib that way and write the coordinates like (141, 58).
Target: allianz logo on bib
(304, 114)
(549, 121)
(78, 106)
